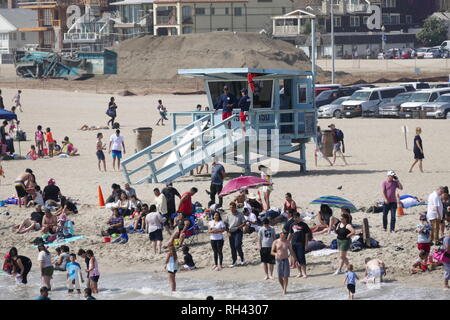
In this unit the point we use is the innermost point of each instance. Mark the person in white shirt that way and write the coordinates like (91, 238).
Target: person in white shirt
(216, 228)
(153, 226)
(117, 143)
(251, 222)
(434, 213)
(16, 100)
(161, 207)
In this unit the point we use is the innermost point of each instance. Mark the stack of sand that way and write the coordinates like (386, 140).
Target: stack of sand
(159, 58)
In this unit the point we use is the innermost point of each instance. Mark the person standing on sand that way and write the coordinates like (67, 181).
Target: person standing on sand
(216, 228)
(161, 207)
(235, 223)
(112, 111)
(298, 234)
(2, 106)
(118, 144)
(418, 150)
(170, 192)
(217, 176)
(434, 213)
(388, 188)
(338, 141)
(446, 245)
(172, 266)
(345, 232)
(266, 237)
(22, 183)
(281, 249)
(99, 152)
(16, 100)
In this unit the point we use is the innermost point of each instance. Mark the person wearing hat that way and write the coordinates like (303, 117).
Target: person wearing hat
(253, 204)
(388, 189)
(227, 101)
(51, 191)
(338, 141)
(244, 104)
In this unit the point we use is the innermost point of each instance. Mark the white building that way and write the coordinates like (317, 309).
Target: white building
(12, 38)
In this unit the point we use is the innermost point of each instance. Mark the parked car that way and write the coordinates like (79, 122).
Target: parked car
(438, 109)
(366, 101)
(334, 109)
(392, 108)
(420, 52)
(418, 99)
(440, 85)
(329, 96)
(407, 53)
(415, 85)
(433, 54)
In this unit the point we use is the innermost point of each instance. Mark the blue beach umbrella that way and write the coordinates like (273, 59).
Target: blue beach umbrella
(335, 202)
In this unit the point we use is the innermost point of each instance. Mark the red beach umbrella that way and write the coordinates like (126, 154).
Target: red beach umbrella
(242, 183)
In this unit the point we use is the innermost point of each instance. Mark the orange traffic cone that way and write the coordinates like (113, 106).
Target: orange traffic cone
(101, 201)
(400, 211)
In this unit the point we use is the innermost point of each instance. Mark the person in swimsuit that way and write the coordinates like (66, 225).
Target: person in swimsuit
(93, 271)
(112, 111)
(418, 150)
(281, 248)
(22, 183)
(40, 142)
(21, 266)
(172, 266)
(100, 155)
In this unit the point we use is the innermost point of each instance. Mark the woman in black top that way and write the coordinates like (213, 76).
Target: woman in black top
(344, 231)
(21, 265)
(418, 150)
(111, 112)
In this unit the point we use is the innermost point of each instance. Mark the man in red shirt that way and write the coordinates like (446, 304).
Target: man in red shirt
(185, 206)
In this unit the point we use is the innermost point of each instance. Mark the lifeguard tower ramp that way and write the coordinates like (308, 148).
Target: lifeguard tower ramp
(281, 119)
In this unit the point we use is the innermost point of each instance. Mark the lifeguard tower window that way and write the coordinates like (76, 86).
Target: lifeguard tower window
(216, 89)
(262, 96)
(302, 96)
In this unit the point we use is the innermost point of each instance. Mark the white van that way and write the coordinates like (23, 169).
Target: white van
(366, 101)
(418, 99)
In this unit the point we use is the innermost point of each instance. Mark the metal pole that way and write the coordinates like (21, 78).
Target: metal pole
(313, 46)
(333, 55)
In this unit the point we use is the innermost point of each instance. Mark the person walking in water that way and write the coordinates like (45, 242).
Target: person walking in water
(418, 150)
(281, 248)
(112, 111)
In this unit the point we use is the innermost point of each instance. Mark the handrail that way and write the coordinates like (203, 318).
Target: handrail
(161, 142)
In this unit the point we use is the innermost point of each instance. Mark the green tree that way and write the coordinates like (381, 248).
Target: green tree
(434, 32)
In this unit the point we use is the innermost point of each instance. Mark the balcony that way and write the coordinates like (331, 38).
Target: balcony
(357, 8)
(81, 37)
(286, 31)
(166, 20)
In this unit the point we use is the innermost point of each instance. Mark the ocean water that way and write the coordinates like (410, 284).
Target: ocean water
(151, 286)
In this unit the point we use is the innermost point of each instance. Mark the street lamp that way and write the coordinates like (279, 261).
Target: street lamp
(333, 55)
(383, 38)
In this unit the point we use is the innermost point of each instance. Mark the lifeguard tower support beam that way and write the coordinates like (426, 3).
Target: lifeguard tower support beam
(282, 113)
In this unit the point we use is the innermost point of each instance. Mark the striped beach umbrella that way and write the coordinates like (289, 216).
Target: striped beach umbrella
(335, 202)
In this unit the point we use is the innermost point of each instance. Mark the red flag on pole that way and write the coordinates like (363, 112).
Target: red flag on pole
(250, 81)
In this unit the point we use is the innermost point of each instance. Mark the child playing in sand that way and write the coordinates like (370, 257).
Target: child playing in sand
(68, 147)
(423, 231)
(421, 264)
(100, 155)
(88, 294)
(40, 142)
(32, 154)
(172, 266)
(50, 141)
(74, 274)
(189, 263)
(350, 281)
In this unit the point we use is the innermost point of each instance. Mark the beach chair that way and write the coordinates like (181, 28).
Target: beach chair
(193, 232)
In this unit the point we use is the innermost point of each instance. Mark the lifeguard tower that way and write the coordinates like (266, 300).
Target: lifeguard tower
(282, 119)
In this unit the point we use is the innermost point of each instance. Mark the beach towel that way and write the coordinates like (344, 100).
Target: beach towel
(63, 241)
(323, 252)
(409, 201)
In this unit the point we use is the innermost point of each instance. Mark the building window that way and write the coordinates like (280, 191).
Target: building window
(47, 37)
(337, 22)
(187, 15)
(213, 11)
(222, 29)
(227, 11)
(409, 19)
(264, 0)
(386, 19)
(390, 3)
(47, 17)
(13, 36)
(365, 19)
(238, 11)
(187, 30)
(200, 11)
(283, 10)
(354, 21)
(395, 18)
(4, 36)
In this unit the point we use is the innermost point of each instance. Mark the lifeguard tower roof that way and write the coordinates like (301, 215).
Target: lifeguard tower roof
(233, 73)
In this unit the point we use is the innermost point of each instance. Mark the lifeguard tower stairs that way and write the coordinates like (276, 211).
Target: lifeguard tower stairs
(282, 119)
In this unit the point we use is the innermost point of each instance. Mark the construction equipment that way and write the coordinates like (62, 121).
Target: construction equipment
(48, 65)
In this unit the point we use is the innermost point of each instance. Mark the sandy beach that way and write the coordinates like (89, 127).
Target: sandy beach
(373, 146)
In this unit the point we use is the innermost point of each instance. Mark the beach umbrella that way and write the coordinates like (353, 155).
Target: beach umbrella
(243, 183)
(7, 115)
(335, 202)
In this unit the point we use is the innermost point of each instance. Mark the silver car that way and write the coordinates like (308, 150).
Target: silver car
(438, 109)
(334, 109)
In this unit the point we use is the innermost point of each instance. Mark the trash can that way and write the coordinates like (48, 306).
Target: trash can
(328, 143)
(143, 137)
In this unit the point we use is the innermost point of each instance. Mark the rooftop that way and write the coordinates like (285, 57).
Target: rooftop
(20, 18)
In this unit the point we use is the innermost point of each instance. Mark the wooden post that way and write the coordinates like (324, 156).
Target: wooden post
(406, 140)
(366, 232)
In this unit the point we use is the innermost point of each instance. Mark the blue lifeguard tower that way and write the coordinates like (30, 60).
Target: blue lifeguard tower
(281, 120)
